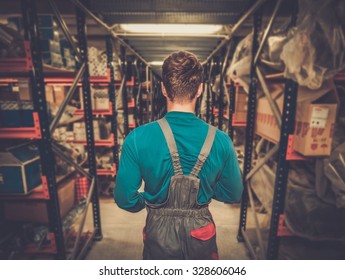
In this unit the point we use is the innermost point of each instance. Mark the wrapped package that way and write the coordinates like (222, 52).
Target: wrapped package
(315, 50)
(239, 69)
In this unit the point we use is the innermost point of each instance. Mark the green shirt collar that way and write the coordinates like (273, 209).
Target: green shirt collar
(178, 114)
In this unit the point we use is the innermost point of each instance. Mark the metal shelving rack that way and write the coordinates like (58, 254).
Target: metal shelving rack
(286, 124)
(33, 68)
(109, 50)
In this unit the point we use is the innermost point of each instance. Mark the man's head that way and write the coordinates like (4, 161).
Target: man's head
(182, 76)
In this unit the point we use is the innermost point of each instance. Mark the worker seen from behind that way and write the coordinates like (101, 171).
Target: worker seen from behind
(184, 163)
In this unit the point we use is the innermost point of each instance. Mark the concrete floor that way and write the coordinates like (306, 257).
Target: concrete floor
(122, 233)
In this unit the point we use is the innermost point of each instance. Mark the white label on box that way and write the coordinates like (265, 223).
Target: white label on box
(319, 117)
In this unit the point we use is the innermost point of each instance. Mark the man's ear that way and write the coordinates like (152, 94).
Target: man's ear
(164, 90)
(201, 86)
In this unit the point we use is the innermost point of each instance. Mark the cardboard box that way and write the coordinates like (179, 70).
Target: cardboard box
(50, 97)
(59, 94)
(36, 211)
(315, 117)
(20, 170)
(241, 105)
(24, 89)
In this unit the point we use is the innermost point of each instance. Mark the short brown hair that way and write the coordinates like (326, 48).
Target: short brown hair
(182, 75)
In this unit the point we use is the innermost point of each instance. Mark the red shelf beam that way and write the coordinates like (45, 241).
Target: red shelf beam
(106, 172)
(283, 230)
(22, 132)
(291, 154)
(44, 249)
(39, 193)
(11, 66)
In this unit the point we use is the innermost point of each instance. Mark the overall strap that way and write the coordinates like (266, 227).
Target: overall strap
(205, 150)
(169, 137)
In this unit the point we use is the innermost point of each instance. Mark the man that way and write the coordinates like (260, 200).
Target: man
(184, 163)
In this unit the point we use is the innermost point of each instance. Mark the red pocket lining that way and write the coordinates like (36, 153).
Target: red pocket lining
(204, 233)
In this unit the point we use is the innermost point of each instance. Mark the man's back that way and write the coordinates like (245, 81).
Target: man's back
(146, 156)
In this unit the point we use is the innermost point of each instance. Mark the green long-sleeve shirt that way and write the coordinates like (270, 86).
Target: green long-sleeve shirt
(145, 156)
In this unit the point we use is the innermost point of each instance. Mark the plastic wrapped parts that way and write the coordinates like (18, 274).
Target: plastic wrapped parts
(315, 50)
(306, 213)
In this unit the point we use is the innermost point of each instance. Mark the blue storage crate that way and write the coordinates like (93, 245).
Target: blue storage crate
(20, 170)
(27, 109)
(10, 114)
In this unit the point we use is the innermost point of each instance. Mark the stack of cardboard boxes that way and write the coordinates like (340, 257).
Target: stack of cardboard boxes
(315, 118)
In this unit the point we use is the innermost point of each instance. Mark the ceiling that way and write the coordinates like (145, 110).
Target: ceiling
(157, 47)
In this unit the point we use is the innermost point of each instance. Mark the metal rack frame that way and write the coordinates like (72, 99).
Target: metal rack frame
(40, 106)
(112, 97)
(286, 123)
(82, 41)
(43, 130)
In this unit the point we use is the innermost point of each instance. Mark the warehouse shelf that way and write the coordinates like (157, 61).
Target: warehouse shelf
(291, 154)
(41, 192)
(235, 122)
(49, 248)
(283, 230)
(105, 112)
(12, 66)
(107, 172)
(54, 75)
(279, 77)
(22, 132)
(238, 123)
(132, 125)
(98, 143)
(131, 104)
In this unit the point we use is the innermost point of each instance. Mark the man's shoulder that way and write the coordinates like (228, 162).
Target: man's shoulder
(221, 135)
(223, 141)
(145, 129)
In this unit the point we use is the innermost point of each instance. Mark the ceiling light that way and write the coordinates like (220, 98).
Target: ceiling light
(156, 63)
(172, 28)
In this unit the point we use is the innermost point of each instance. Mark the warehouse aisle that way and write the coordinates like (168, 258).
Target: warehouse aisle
(122, 233)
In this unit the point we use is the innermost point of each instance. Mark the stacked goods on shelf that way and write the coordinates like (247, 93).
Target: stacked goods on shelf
(97, 62)
(16, 107)
(16, 113)
(315, 118)
(50, 41)
(76, 131)
(67, 55)
(104, 159)
(100, 98)
(11, 39)
(311, 210)
(36, 211)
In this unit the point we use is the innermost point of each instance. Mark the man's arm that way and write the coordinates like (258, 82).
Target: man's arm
(128, 178)
(229, 187)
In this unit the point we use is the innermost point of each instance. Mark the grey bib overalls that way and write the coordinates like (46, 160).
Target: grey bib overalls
(180, 228)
